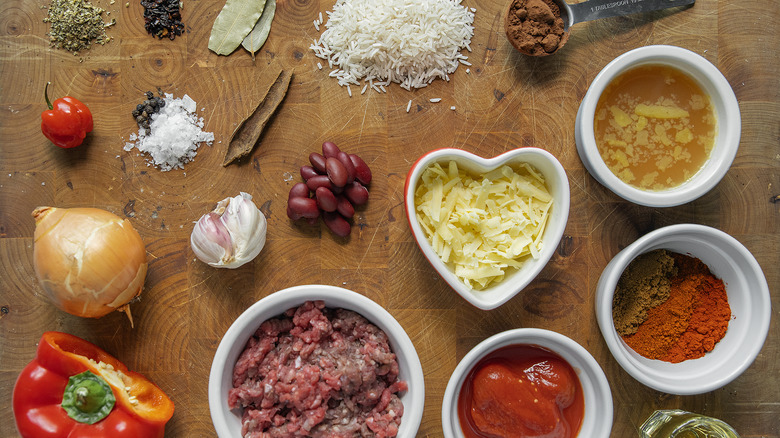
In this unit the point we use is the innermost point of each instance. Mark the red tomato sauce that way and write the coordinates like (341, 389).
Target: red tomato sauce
(521, 391)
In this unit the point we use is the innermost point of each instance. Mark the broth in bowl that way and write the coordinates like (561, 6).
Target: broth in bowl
(655, 127)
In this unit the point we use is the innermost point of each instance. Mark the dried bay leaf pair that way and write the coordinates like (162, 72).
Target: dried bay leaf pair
(257, 36)
(242, 22)
(248, 132)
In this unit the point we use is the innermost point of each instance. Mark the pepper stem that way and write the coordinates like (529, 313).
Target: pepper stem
(88, 398)
(46, 95)
(81, 397)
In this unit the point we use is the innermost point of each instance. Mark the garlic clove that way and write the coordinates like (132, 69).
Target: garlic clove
(247, 226)
(231, 235)
(210, 240)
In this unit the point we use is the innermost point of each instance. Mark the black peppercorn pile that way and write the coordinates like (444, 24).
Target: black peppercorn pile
(162, 18)
(143, 111)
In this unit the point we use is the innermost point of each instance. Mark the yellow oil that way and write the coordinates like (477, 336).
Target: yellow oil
(681, 424)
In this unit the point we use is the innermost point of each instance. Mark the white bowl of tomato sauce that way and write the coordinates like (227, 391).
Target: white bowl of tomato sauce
(531, 381)
(659, 126)
(316, 368)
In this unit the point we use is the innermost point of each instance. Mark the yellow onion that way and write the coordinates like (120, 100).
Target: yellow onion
(90, 262)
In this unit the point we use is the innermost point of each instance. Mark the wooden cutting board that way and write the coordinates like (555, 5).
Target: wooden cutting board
(503, 101)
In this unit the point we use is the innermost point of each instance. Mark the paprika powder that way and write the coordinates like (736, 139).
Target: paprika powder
(75, 389)
(691, 321)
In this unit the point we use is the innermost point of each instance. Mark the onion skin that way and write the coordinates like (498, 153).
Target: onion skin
(90, 262)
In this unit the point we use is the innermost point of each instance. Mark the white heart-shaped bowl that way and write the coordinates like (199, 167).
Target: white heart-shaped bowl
(597, 397)
(727, 114)
(227, 422)
(748, 296)
(557, 184)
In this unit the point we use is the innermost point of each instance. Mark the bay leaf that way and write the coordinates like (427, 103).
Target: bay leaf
(256, 38)
(234, 22)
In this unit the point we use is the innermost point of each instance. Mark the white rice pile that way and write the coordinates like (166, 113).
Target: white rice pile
(409, 42)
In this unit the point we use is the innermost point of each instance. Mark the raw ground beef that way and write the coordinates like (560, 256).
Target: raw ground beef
(318, 372)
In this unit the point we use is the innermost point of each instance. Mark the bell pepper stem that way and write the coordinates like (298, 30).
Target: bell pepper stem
(88, 398)
(46, 95)
(81, 397)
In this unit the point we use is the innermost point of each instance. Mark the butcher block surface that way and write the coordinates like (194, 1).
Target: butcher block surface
(504, 101)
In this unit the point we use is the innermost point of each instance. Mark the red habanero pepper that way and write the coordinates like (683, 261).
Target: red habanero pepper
(75, 389)
(66, 122)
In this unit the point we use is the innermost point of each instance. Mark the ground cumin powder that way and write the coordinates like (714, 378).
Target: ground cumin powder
(643, 285)
(689, 322)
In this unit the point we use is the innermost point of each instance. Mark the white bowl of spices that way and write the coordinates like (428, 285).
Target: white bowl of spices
(659, 126)
(684, 309)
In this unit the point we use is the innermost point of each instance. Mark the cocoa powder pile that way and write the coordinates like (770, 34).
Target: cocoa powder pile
(535, 27)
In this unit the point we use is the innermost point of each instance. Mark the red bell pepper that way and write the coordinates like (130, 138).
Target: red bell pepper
(66, 122)
(75, 389)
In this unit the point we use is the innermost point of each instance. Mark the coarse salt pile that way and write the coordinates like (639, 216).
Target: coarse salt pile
(409, 42)
(175, 134)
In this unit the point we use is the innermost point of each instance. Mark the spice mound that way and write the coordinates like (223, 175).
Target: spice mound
(317, 371)
(644, 284)
(687, 323)
(174, 134)
(75, 24)
(143, 111)
(162, 18)
(535, 27)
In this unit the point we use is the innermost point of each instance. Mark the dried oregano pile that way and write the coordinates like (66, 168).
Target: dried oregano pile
(75, 24)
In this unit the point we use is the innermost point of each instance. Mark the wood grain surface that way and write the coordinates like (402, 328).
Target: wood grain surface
(506, 101)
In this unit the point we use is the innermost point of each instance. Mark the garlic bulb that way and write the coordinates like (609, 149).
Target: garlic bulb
(231, 235)
(89, 261)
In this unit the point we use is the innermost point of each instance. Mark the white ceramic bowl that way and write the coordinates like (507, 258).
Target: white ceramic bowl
(228, 422)
(597, 420)
(748, 296)
(726, 111)
(557, 184)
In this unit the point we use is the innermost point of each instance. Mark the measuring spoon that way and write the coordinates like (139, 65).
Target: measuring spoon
(594, 9)
(541, 12)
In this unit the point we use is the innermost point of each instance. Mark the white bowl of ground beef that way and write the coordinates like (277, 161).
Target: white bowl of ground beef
(337, 364)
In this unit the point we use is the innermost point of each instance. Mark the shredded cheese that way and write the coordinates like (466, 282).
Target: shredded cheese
(482, 226)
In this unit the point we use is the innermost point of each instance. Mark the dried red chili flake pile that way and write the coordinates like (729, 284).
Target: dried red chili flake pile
(162, 18)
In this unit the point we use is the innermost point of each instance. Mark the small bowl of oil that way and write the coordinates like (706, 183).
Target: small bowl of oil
(676, 423)
(659, 126)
